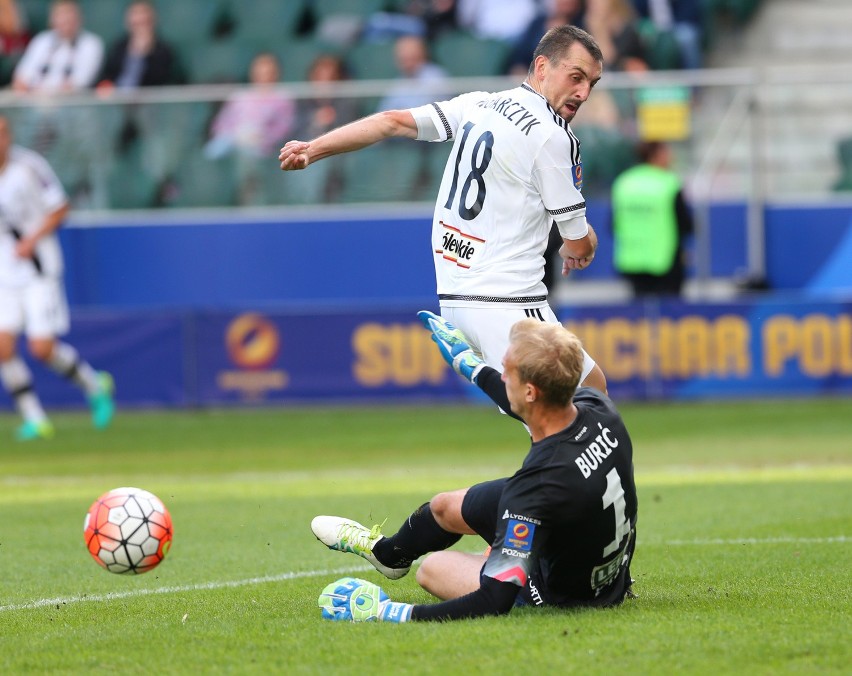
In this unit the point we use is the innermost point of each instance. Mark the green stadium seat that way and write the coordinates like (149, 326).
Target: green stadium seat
(129, 186)
(463, 55)
(267, 23)
(373, 61)
(104, 18)
(202, 182)
(844, 155)
(187, 21)
(605, 154)
(361, 8)
(219, 62)
(661, 47)
(298, 188)
(36, 12)
(390, 172)
(297, 55)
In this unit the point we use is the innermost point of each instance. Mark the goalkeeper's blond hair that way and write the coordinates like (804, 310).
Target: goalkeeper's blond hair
(548, 356)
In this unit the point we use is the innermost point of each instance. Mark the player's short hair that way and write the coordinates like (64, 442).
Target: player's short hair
(550, 357)
(557, 41)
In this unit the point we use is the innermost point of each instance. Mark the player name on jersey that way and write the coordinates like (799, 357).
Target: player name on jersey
(511, 109)
(596, 452)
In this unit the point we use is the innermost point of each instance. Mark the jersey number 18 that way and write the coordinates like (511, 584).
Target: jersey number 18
(475, 175)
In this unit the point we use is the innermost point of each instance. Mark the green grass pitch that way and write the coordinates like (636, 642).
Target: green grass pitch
(742, 564)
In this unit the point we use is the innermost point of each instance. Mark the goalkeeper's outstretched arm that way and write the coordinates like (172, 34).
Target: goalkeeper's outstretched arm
(490, 381)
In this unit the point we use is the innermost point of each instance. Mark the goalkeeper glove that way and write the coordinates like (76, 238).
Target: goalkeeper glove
(453, 346)
(353, 600)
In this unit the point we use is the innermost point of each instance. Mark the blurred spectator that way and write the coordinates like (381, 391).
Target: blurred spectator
(140, 58)
(426, 18)
(253, 123)
(495, 19)
(13, 34)
(415, 69)
(325, 111)
(561, 12)
(683, 18)
(64, 58)
(650, 219)
(439, 16)
(614, 25)
(317, 115)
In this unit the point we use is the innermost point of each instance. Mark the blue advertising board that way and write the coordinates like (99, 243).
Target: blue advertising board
(657, 350)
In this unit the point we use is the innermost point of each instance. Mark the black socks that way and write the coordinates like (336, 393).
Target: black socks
(418, 535)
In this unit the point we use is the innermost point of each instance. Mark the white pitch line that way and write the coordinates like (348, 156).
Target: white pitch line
(111, 596)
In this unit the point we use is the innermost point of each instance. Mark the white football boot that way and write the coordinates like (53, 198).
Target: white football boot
(346, 535)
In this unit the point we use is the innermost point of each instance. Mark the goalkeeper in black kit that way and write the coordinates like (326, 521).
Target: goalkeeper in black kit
(561, 530)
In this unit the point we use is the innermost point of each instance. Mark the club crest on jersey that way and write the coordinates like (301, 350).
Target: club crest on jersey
(519, 535)
(457, 246)
(577, 174)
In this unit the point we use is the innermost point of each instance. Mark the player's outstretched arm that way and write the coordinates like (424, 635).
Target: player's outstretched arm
(359, 134)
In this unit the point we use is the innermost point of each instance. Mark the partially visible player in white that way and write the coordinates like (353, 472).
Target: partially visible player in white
(515, 169)
(33, 205)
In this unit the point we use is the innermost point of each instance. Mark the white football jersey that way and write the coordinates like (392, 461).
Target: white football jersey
(515, 168)
(29, 191)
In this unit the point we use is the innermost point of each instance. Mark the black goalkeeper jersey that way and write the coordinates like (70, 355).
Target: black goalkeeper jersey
(566, 524)
(568, 516)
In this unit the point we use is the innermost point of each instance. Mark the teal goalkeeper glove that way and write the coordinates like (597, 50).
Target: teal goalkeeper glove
(353, 600)
(453, 346)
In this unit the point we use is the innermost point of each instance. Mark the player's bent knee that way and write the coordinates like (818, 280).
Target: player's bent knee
(446, 508)
(41, 349)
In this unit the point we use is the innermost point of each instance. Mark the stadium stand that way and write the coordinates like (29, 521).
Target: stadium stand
(190, 22)
(463, 55)
(267, 23)
(216, 40)
(104, 18)
(844, 156)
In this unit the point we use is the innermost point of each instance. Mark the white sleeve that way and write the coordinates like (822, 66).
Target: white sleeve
(427, 129)
(439, 121)
(559, 182)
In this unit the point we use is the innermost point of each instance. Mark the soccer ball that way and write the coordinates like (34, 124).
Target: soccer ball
(128, 530)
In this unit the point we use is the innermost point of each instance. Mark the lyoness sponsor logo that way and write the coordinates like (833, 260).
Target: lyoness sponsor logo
(520, 517)
(457, 246)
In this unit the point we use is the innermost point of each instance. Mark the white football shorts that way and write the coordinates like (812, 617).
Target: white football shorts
(487, 329)
(38, 309)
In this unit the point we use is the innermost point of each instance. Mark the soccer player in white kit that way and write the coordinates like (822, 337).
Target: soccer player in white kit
(33, 205)
(515, 169)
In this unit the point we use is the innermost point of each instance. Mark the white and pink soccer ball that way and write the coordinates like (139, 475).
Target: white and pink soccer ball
(128, 530)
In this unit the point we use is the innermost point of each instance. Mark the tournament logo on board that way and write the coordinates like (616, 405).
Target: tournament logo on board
(253, 344)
